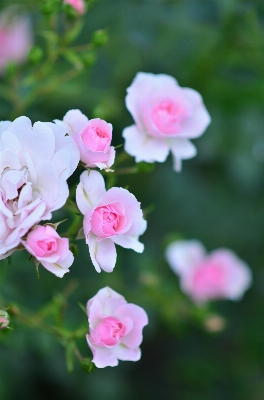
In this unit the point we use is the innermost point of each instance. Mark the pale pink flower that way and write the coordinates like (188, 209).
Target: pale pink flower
(15, 38)
(110, 217)
(35, 163)
(115, 328)
(79, 5)
(166, 116)
(4, 319)
(218, 275)
(93, 137)
(52, 251)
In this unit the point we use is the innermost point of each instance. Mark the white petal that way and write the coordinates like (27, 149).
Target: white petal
(103, 253)
(56, 269)
(4, 126)
(102, 356)
(129, 242)
(67, 143)
(144, 147)
(90, 190)
(125, 354)
(181, 149)
(76, 120)
(183, 255)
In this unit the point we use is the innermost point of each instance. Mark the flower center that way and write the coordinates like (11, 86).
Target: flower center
(111, 331)
(95, 139)
(48, 246)
(108, 220)
(209, 281)
(168, 114)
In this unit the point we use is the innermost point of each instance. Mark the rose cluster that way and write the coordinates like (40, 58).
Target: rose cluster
(35, 164)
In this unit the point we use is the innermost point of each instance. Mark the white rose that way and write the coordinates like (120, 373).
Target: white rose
(35, 162)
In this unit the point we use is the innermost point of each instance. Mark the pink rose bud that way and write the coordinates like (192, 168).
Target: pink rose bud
(115, 328)
(166, 116)
(4, 319)
(79, 5)
(49, 249)
(218, 275)
(15, 38)
(110, 217)
(93, 137)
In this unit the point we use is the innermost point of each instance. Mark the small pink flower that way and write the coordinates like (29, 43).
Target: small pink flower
(49, 249)
(219, 275)
(4, 319)
(93, 137)
(166, 116)
(15, 38)
(110, 217)
(79, 5)
(115, 328)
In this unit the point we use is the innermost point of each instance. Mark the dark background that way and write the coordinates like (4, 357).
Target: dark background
(217, 48)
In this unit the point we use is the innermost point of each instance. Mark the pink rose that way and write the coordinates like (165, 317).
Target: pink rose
(166, 116)
(49, 249)
(110, 217)
(115, 328)
(15, 38)
(219, 275)
(79, 5)
(93, 137)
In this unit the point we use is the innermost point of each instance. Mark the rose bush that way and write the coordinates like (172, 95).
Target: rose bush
(93, 137)
(166, 116)
(49, 249)
(115, 328)
(218, 275)
(110, 217)
(35, 163)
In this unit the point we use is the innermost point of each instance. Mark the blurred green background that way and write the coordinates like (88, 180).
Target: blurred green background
(217, 48)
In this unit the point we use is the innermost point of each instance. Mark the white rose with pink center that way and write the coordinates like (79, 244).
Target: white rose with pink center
(115, 328)
(35, 163)
(110, 217)
(166, 116)
(93, 137)
(218, 275)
